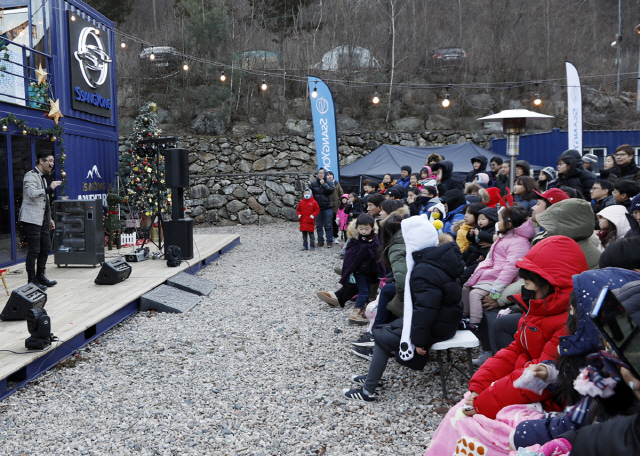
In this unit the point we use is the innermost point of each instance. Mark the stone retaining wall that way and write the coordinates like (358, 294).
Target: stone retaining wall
(252, 179)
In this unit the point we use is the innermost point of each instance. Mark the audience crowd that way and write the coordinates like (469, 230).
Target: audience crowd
(426, 255)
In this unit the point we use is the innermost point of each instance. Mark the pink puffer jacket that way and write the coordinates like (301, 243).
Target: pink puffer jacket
(499, 268)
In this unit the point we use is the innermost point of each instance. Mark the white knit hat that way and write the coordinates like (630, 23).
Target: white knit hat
(418, 233)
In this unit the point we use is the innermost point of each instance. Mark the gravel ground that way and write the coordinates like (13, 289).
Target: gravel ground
(257, 368)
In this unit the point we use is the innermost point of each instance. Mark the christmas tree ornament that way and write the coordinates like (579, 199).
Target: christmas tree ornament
(145, 119)
(55, 113)
(41, 74)
(53, 139)
(63, 174)
(63, 156)
(4, 128)
(24, 132)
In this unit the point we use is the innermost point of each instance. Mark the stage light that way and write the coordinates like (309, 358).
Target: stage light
(39, 326)
(185, 67)
(446, 102)
(264, 83)
(173, 256)
(537, 101)
(152, 57)
(222, 76)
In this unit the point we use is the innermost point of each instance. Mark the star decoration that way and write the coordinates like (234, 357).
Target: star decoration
(55, 113)
(41, 74)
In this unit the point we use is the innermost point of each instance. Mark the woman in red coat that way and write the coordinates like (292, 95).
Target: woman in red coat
(308, 210)
(547, 270)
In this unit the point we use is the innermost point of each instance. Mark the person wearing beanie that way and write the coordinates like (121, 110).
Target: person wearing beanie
(393, 193)
(546, 176)
(589, 163)
(432, 308)
(482, 179)
(586, 178)
(405, 176)
(479, 163)
(523, 168)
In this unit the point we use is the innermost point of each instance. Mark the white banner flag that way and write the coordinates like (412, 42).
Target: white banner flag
(574, 95)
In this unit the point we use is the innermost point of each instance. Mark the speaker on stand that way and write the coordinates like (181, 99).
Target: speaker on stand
(179, 230)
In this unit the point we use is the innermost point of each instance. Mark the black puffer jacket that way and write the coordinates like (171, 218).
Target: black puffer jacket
(448, 182)
(436, 298)
(322, 193)
(587, 179)
(483, 167)
(629, 172)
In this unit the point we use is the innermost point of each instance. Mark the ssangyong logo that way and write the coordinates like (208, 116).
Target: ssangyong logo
(92, 57)
(322, 106)
(93, 172)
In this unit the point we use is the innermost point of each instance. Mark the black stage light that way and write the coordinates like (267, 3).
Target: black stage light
(39, 326)
(172, 255)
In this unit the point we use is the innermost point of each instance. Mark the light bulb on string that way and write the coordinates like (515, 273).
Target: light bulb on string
(222, 76)
(185, 67)
(537, 101)
(446, 102)
(73, 18)
(97, 31)
(152, 57)
(376, 98)
(123, 44)
(314, 94)
(264, 83)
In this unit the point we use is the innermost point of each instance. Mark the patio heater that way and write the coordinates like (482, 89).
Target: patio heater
(514, 122)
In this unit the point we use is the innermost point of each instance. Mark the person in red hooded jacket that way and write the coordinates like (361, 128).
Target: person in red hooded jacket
(547, 270)
(308, 210)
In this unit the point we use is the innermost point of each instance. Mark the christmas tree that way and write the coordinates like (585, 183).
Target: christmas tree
(142, 168)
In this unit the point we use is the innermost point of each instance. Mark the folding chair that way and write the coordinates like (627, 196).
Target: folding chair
(462, 339)
(3, 272)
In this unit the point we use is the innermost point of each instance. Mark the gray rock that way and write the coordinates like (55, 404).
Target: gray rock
(235, 206)
(211, 217)
(263, 198)
(408, 124)
(289, 199)
(246, 217)
(253, 189)
(273, 197)
(205, 156)
(354, 140)
(295, 163)
(125, 125)
(282, 164)
(300, 155)
(297, 126)
(210, 123)
(244, 167)
(225, 168)
(195, 168)
(407, 143)
(266, 162)
(279, 189)
(266, 218)
(273, 210)
(290, 213)
(197, 211)
(253, 204)
(241, 128)
(438, 122)
(240, 193)
(228, 190)
(199, 191)
(215, 201)
(288, 187)
(345, 122)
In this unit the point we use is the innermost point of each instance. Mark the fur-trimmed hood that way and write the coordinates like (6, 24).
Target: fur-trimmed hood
(403, 212)
(352, 231)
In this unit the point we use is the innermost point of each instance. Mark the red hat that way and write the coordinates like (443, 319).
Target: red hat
(494, 197)
(553, 195)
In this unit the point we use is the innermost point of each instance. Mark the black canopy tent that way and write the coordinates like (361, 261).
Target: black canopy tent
(389, 159)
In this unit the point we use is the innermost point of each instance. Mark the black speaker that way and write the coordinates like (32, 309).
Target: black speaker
(21, 301)
(179, 233)
(176, 167)
(114, 271)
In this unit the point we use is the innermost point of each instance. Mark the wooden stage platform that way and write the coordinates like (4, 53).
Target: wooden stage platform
(81, 311)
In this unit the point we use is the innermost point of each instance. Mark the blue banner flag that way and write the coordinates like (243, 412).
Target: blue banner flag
(325, 129)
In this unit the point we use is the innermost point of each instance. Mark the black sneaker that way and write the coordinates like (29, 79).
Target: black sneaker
(356, 394)
(360, 379)
(365, 340)
(362, 352)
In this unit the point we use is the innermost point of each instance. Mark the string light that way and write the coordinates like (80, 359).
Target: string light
(376, 98)
(73, 18)
(314, 94)
(97, 31)
(264, 83)
(123, 44)
(537, 101)
(185, 67)
(446, 102)
(152, 57)
(223, 77)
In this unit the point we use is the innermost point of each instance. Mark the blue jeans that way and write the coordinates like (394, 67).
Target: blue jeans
(363, 290)
(386, 295)
(324, 221)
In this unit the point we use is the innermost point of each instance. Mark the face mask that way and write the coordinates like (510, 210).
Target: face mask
(527, 295)
(307, 197)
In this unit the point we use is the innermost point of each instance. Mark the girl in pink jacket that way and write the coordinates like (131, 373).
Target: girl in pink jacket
(514, 233)
(341, 217)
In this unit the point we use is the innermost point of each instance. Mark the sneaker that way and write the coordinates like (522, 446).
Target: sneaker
(479, 361)
(357, 317)
(356, 394)
(320, 244)
(338, 271)
(365, 340)
(360, 379)
(362, 352)
(328, 297)
(313, 247)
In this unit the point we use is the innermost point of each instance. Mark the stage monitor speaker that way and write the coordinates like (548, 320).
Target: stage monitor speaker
(21, 301)
(179, 233)
(176, 166)
(112, 272)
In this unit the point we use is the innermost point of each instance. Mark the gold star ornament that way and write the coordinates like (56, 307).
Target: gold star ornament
(55, 113)
(41, 74)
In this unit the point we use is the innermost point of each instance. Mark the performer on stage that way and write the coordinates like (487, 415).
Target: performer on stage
(35, 215)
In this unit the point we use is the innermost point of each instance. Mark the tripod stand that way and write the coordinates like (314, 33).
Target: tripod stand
(160, 144)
